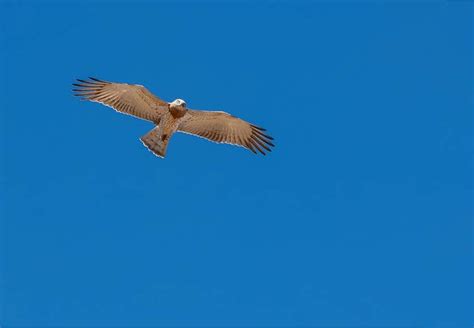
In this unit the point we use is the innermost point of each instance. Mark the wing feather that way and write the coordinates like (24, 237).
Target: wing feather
(222, 127)
(130, 99)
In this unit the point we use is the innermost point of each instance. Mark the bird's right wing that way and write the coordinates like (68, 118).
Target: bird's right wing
(222, 127)
(128, 99)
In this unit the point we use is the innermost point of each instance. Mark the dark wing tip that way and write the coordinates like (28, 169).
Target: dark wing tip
(88, 87)
(257, 138)
(92, 81)
(253, 145)
(258, 127)
(84, 81)
(261, 138)
(249, 146)
(97, 80)
(262, 144)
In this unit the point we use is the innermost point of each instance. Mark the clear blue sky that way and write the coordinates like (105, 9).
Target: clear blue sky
(361, 216)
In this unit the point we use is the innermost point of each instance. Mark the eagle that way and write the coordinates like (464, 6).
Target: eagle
(171, 117)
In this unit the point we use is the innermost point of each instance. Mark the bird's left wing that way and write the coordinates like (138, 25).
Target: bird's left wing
(130, 99)
(222, 127)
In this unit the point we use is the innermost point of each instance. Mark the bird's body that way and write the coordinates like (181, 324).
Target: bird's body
(137, 101)
(157, 139)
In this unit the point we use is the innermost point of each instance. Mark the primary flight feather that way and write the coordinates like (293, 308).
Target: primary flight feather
(137, 101)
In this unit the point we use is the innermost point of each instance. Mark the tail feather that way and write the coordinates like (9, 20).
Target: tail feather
(156, 142)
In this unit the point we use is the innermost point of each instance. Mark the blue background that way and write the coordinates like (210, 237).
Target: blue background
(360, 217)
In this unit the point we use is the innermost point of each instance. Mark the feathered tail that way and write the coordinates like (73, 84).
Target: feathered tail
(156, 142)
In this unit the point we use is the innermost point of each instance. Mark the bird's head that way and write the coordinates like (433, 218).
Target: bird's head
(178, 103)
(177, 108)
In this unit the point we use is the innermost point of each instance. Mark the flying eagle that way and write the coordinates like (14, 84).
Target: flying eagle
(136, 100)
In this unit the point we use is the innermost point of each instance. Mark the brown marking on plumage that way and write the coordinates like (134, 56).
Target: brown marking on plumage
(177, 112)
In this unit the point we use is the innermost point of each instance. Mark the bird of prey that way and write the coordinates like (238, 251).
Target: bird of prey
(136, 100)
